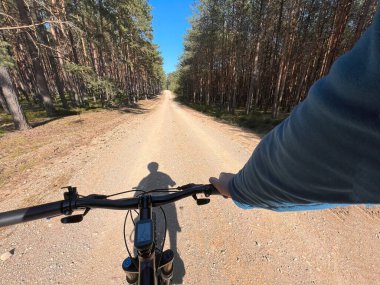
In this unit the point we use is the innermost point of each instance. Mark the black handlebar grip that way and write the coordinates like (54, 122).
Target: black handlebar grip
(31, 213)
(213, 190)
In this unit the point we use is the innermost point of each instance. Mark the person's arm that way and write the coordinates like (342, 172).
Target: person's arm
(328, 150)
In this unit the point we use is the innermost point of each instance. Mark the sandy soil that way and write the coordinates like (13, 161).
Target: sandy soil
(215, 244)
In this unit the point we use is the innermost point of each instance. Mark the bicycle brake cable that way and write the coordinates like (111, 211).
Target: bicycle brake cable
(144, 191)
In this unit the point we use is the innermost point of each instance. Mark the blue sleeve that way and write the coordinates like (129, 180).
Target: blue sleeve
(327, 152)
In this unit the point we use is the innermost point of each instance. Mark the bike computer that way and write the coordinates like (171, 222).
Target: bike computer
(144, 234)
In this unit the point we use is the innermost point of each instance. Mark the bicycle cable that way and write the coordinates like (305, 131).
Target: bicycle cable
(169, 190)
(125, 239)
(129, 212)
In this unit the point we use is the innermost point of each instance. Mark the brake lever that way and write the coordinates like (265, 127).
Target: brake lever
(71, 195)
(201, 201)
(75, 218)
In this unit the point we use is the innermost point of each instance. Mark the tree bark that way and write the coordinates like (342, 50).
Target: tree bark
(340, 22)
(36, 60)
(4, 103)
(53, 64)
(11, 100)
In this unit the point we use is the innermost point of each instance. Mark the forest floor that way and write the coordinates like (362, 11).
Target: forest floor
(258, 121)
(24, 154)
(108, 151)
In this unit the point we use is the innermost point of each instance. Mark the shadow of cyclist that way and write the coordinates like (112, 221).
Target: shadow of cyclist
(160, 180)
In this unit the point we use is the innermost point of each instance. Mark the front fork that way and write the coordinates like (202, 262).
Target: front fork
(165, 269)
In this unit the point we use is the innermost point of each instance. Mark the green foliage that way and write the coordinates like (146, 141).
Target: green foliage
(5, 59)
(126, 27)
(79, 70)
(95, 85)
(172, 81)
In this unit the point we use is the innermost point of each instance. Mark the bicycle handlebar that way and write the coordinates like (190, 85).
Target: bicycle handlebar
(65, 207)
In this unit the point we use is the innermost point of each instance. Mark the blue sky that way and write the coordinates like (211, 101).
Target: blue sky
(170, 22)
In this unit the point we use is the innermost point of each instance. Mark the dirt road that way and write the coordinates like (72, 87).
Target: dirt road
(214, 244)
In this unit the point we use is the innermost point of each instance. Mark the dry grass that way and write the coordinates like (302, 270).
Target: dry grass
(24, 153)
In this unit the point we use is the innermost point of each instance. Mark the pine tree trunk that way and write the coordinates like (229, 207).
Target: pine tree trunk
(11, 100)
(276, 102)
(363, 16)
(36, 60)
(53, 64)
(3, 103)
(254, 82)
(340, 21)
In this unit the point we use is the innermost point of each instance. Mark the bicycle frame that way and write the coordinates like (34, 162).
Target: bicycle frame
(145, 233)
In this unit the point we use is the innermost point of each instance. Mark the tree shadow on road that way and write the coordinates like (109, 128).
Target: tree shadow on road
(159, 180)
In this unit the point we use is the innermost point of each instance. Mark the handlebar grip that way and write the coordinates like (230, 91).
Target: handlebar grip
(31, 213)
(213, 190)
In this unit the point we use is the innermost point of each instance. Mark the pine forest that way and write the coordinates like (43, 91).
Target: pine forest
(263, 55)
(240, 56)
(62, 54)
